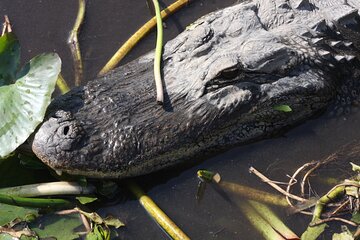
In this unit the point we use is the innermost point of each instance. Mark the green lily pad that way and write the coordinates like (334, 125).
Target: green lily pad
(60, 227)
(23, 104)
(9, 58)
(10, 212)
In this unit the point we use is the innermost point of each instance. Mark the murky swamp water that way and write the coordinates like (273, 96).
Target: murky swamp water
(43, 26)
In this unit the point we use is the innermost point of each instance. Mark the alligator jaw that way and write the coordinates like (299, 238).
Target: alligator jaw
(223, 77)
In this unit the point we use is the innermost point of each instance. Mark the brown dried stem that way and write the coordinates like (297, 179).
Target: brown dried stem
(275, 186)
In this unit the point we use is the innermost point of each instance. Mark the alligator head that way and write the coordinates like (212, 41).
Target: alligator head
(223, 76)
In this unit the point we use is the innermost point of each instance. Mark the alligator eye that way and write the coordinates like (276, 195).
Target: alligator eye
(230, 73)
(66, 130)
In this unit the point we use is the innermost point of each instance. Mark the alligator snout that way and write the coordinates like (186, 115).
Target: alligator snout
(223, 76)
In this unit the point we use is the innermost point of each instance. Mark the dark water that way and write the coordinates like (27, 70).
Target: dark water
(43, 26)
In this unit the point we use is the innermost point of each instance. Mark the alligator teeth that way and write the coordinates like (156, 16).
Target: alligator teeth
(58, 172)
(335, 43)
(324, 54)
(340, 58)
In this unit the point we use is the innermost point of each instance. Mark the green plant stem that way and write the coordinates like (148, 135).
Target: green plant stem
(35, 202)
(138, 35)
(156, 213)
(62, 85)
(336, 192)
(48, 189)
(73, 42)
(158, 54)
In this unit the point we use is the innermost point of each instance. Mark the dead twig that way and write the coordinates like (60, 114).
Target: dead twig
(321, 221)
(307, 174)
(6, 26)
(275, 186)
(85, 222)
(340, 207)
(293, 178)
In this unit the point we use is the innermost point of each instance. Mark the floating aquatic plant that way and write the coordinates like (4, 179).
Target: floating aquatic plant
(24, 94)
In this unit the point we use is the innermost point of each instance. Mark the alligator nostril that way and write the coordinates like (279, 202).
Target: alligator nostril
(66, 130)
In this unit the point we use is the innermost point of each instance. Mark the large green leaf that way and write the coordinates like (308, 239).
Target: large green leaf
(23, 104)
(9, 58)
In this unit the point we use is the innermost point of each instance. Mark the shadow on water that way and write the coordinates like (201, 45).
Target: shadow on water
(43, 26)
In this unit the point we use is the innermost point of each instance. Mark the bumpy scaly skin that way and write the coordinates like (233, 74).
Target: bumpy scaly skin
(223, 76)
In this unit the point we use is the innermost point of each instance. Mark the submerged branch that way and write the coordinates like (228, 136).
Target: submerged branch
(268, 181)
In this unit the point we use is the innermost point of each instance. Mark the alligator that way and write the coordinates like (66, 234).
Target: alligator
(224, 78)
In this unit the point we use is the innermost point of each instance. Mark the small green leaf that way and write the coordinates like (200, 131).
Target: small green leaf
(86, 200)
(344, 235)
(355, 168)
(352, 191)
(113, 221)
(93, 216)
(99, 232)
(208, 176)
(282, 108)
(356, 217)
(9, 58)
(23, 104)
(108, 221)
